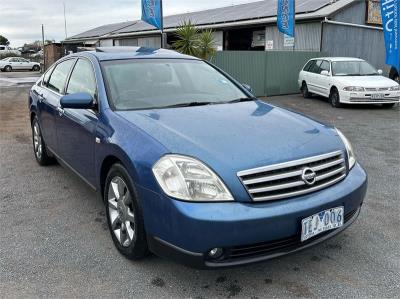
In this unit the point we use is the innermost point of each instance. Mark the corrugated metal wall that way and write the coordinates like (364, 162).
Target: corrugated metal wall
(346, 41)
(308, 37)
(268, 73)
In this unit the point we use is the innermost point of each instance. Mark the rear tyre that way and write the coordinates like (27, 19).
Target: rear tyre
(36, 68)
(39, 147)
(304, 91)
(388, 106)
(8, 68)
(334, 98)
(124, 215)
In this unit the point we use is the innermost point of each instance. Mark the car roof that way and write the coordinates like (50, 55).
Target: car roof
(333, 59)
(116, 53)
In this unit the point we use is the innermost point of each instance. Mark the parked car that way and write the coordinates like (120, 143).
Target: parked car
(6, 50)
(189, 164)
(18, 63)
(348, 81)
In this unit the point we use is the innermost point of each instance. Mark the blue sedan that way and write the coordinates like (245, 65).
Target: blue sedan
(189, 164)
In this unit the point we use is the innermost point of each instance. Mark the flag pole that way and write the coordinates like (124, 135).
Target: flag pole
(162, 25)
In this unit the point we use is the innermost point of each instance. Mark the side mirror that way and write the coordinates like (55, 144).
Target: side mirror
(325, 73)
(80, 100)
(248, 88)
(380, 72)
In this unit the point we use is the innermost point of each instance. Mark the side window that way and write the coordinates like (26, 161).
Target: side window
(13, 60)
(325, 66)
(308, 65)
(59, 75)
(2, 48)
(315, 68)
(82, 78)
(46, 76)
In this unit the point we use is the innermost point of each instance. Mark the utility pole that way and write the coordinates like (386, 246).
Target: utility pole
(65, 22)
(44, 52)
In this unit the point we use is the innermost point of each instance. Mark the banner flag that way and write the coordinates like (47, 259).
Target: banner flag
(152, 13)
(390, 10)
(286, 16)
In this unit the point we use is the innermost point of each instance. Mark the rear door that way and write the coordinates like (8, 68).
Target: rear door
(323, 82)
(76, 128)
(24, 64)
(313, 74)
(50, 100)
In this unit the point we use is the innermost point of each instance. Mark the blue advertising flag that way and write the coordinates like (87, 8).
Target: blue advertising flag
(152, 13)
(391, 22)
(286, 16)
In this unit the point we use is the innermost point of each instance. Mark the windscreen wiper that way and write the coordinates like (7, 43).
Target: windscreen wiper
(246, 99)
(189, 104)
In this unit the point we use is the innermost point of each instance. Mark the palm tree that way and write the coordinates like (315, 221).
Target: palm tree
(188, 39)
(207, 47)
(192, 42)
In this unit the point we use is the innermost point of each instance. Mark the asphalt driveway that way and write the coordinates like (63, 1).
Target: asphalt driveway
(54, 239)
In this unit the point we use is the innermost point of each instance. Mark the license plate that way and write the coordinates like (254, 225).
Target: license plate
(377, 96)
(321, 222)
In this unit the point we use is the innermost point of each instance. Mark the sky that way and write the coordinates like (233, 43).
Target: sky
(20, 20)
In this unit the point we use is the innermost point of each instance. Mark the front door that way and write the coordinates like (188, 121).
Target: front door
(323, 81)
(76, 128)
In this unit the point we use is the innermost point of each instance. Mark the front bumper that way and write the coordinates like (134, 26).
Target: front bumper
(366, 97)
(248, 232)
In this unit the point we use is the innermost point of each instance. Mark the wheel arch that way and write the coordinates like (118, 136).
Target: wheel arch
(333, 87)
(106, 165)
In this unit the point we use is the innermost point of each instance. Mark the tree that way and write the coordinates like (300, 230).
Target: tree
(207, 47)
(188, 39)
(193, 42)
(4, 41)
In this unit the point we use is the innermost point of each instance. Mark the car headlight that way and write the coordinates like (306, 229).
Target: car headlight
(188, 179)
(353, 88)
(394, 88)
(351, 157)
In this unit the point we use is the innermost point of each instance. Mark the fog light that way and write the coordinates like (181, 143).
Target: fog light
(215, 253)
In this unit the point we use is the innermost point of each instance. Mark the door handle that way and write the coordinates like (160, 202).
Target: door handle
(40, 98)
(60, 111)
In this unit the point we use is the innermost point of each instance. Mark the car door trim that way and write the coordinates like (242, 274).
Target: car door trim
(64, 163)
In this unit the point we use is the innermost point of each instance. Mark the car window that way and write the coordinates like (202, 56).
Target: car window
(159, 83)
(13, 60)
(2, 48)
(308, 65)
(315, 68)
(82, 78)
(46, 76)
(59, 75)
(325, 66)
(23, 60)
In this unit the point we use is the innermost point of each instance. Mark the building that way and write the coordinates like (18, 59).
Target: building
(336, 27)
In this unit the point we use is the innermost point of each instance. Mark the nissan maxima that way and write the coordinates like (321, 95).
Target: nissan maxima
(189, 164)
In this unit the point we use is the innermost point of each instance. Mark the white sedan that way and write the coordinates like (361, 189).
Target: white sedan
(347, 81)
(18, 63)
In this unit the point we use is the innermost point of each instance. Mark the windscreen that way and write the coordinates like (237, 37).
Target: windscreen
(159, 83)
(353, 68)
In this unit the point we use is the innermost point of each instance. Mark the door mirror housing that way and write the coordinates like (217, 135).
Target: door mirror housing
(380, 72)
(80, 100)
(325, 73)
(248, 88)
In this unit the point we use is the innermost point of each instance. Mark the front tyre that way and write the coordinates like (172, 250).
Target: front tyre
(39, 147)
(334, 98)
(124, 216)
(7, 68)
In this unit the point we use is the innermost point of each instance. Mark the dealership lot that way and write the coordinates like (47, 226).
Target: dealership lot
(55, 241)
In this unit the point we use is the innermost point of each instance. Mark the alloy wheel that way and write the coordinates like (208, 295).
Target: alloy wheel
(37, 141)
(120, 208)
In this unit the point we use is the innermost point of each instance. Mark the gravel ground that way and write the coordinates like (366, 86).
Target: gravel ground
(54, 240)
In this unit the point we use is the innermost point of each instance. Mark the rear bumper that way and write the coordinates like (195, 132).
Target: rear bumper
(186, 231)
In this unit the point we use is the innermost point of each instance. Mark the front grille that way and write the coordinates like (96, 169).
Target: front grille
(285, 179)
(377, 89)
(271, 247)
(366, 100)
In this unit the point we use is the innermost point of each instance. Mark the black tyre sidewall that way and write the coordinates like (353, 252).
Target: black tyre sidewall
(45, 158)
(7, 68)
(304, 89)
(36, 68)
(335, 102)
(137, 249)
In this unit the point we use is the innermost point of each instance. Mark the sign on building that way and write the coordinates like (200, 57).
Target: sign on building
(373, 14)
(269, 45)
(288, 41)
